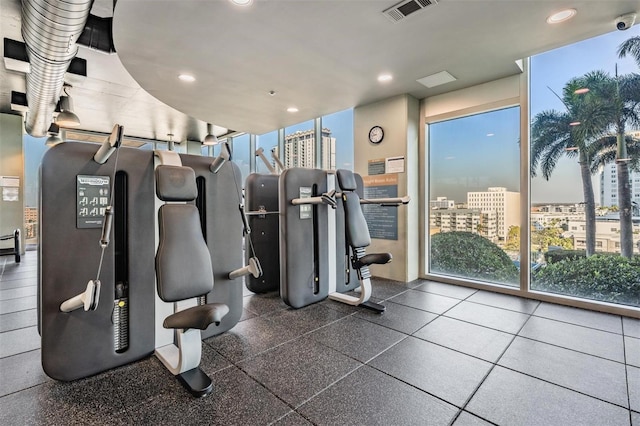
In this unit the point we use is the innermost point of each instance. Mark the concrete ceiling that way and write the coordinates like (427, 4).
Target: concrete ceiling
(321, 56)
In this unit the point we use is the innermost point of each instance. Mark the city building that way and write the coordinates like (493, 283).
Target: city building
(505, 204)
(609, 186)
(467, 220)
(607, 234)
(441, 203)
(299, 150)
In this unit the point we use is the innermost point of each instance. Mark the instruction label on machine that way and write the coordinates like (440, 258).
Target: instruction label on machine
(382, 221)
(92, 198)
(306, 210)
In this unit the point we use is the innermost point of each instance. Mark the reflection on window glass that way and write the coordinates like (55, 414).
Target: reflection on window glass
(337, 140)
(299, 146)
(241, 155)
(162, 146)
(585, 148)
(474, 197)
(268, 142)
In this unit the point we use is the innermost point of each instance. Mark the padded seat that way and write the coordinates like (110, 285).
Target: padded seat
(373, 258)
(199, 317)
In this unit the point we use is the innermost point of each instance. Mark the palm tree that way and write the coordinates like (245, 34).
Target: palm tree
(630, 47)
(556, 134)
(620, 100)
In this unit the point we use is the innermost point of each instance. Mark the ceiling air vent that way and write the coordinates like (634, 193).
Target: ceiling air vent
(405, 8)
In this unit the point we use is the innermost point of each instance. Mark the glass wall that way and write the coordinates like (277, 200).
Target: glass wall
(268, 142)
(474, 197)
(299, 145)
(337, 140)
(241, 155)
(34, 150)
(585, 231)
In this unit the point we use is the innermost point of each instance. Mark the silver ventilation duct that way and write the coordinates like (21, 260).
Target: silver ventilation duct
(50, 29)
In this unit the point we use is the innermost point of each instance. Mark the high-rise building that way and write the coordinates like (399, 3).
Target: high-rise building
(506, 205)
(441, 203)
(609, 186)
(467, 220)
(299, 150)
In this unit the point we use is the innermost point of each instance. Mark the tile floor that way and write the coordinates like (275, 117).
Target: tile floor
(440, 355)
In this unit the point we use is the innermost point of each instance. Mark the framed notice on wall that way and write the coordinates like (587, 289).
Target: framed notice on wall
(382, 221)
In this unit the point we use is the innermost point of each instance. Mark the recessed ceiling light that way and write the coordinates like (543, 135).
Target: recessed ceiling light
(187, 77)
(242, 2)
(581, 91)
(292, 109)
(491, 134)
(561, 16)
(383, 78)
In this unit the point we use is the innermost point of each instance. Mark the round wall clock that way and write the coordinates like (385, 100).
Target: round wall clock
(376, 134)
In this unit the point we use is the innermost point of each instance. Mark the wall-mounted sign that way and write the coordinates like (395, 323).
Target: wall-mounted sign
(376, 167)
(10, 188)
(395, 165)
(92, 198)
(382, 221)
(306, 210)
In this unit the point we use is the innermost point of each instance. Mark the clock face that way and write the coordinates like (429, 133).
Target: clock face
(376, 134)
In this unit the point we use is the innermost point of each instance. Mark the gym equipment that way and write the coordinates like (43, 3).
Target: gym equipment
(184, 271)
(16, 249)
(74, 188)
(357, 236)
(308, 235)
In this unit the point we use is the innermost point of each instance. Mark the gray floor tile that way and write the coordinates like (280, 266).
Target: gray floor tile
(504, 301)
(88, 401)
(264, 303)
(20, 276)
(299, 369)
(249, 338)
(440, 371)
(357, 338)
(292, 419)
(488, 316)
(235, 400)
(632, 351)
(590, 375)
(399, 317)
(14, 293)
(511, 398)
(633, 376)
(384, 289)
(426, 301)
(16, 320)
(598, 320)
(15, 305)
(18, 341)
(304, 320)
(466, 419)
(247, 315)
(631, 327)
(379, 400)
(635, 418)
(211, 361)
(582, 339)
(20, 372)
(471, 339)
(450, 290)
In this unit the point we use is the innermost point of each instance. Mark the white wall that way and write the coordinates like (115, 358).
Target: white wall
(399, 117)
(11, 164)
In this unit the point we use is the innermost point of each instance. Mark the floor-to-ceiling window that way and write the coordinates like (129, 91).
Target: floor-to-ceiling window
(269, 143)
(34, 150)
(241, 155)
(474, 197)
(585, 139)
(299, 145)
(336, 146)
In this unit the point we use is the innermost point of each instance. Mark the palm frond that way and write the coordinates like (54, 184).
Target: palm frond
(630, 47)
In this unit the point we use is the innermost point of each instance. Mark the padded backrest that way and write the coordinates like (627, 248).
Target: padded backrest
(175, 183)
(183, 261)
(347, 180)
(355, 224)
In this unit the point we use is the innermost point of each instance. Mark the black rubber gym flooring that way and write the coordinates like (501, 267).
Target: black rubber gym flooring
(440, 355)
